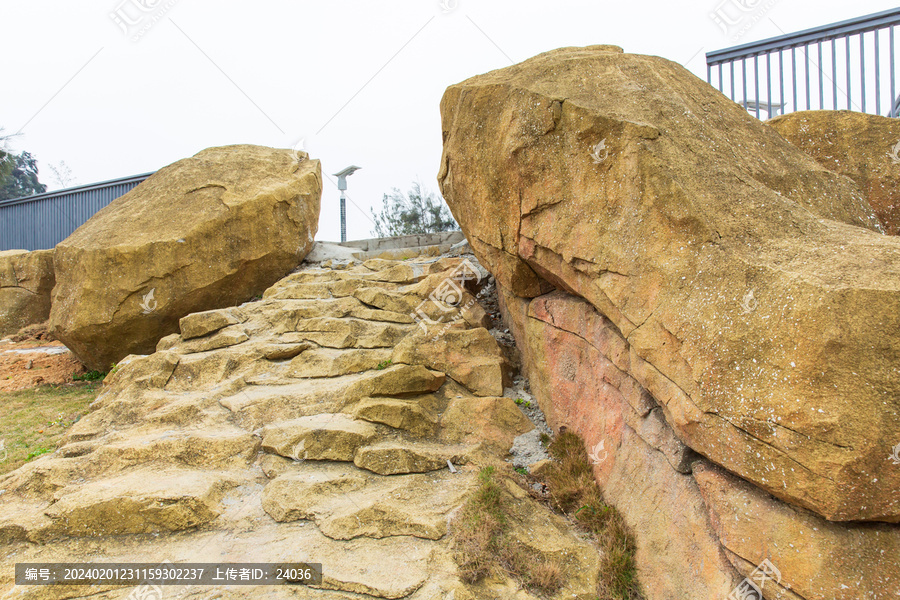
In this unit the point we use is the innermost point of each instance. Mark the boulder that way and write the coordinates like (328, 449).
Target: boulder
(26, 281)
(206, 232)
(816, 559)
(754, 287)
(865, 148)
(575, 357)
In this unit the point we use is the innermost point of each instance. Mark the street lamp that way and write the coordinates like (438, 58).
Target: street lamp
(342, 185)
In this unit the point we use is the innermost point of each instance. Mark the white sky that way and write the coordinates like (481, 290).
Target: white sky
(359, 81)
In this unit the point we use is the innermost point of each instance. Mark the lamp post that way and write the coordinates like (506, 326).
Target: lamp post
(342, 186)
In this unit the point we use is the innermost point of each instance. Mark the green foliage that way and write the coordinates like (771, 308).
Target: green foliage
(90, 376)
(36, 453)
(384, 364)
(19, 176)
(6, 158)
(418, 211)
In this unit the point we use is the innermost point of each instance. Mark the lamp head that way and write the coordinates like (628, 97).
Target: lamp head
(342, 176)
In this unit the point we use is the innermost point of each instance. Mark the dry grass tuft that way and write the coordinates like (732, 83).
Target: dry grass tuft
(482, 545)
(574, 492)
(38, 332)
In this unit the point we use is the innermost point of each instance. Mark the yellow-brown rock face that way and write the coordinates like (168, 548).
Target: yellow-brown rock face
(758, 296)
(205, 232)
(865, 148)
(26, 281)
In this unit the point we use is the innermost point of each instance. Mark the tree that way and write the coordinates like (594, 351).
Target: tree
(62, 174)
(417, 211)
(22, 179)
(6, 161)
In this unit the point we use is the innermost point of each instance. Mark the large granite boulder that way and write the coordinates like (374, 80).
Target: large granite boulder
(26, 280)
(865, 148)
(206, 232)
(687, 289)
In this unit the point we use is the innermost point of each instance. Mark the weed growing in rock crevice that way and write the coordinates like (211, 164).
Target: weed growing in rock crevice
(574, 492)
(482, 544)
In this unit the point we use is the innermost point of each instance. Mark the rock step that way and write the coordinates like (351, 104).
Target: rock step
(470, 357)
(285, 314)
(345, 333)
(142, 501)
(257, 405)
(203, 323)
(398, 457)
(206, 448)
(347, 503)
(326, 287)
(328, 436)
(407, 414)
(333, 362)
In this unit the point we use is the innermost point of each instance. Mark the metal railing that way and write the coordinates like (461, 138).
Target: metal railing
(42, 221)
(847, 65)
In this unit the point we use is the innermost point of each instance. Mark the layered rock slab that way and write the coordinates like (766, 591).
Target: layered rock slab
(695, 524)
(816, 559)
(206, 232)
(754, 287)
(282, 430)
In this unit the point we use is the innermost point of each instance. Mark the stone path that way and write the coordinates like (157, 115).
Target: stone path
(319, 424)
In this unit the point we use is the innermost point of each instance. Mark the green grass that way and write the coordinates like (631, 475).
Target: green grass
(32, 421)
(483, 547)
(574, 492)
(90, 376)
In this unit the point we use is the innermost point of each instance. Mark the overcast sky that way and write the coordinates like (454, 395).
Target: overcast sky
(120, 87)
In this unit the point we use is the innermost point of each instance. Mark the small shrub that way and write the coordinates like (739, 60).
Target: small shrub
(38, 332)
(90, 376)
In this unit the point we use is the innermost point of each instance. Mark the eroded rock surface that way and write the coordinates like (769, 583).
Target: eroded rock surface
(865, 148)
(292, 429)
(687, 289)
(26, 283)
(754, 287)
(203, 233)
